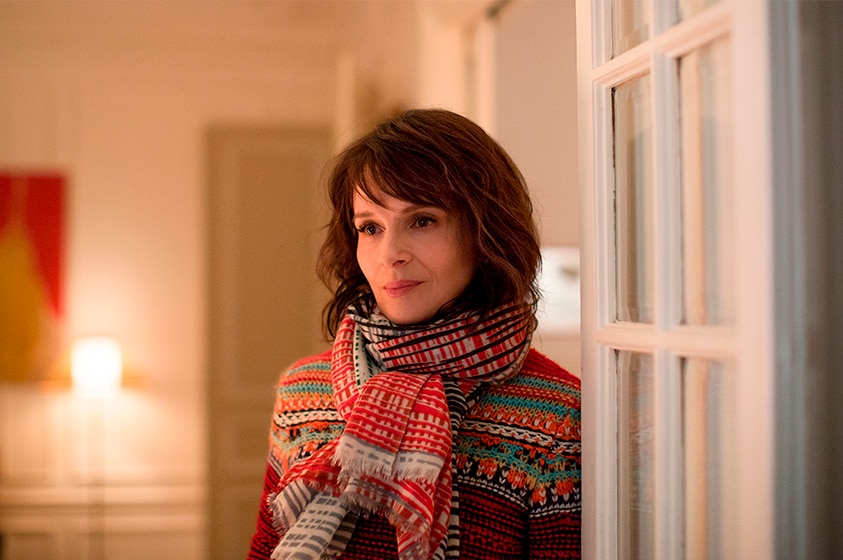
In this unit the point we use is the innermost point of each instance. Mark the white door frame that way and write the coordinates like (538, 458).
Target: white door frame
(750, 503)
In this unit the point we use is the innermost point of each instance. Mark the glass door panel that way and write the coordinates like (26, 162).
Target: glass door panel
(707, 260)
(633, 201)
(636, 461)
(677, 220)
(688, 8)
(704, 442)
(630, 24)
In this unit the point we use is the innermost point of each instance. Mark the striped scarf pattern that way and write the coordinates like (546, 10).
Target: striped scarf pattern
(402, 392)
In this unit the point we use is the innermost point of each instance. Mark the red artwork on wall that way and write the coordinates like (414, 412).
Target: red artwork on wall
(32, 220)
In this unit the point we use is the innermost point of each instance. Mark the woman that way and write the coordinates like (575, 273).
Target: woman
(431, 429)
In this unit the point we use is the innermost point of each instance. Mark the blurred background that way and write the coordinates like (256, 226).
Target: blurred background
(183, 144)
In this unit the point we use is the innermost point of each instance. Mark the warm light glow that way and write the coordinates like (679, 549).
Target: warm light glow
(96, 367)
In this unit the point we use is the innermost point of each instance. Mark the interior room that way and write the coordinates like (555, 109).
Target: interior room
(186, 142)
(161, 209)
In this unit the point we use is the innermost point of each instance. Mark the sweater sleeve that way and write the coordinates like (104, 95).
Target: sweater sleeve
(555, 513)
(265, 538)
(555, 536)
(303, 420)
(554, 519)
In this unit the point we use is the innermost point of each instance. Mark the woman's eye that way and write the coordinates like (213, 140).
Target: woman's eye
(367, 229)
(424, 221)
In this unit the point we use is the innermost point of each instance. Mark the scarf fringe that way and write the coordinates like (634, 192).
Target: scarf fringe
(415, 546)
(417, 542)
(355, 458)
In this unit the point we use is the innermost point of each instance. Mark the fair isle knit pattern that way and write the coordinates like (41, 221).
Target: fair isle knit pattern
(516, 460)
(394, 456)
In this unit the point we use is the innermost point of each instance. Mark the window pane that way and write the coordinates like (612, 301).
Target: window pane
(636, 462)
(703, 441)
(707, 260)
(688, 8)
(630, 24)
(633, 201)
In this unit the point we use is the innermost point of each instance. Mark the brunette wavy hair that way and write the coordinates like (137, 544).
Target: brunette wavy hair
(435, 157)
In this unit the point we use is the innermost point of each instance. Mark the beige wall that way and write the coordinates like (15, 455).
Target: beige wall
(120, 99)
(536, 121)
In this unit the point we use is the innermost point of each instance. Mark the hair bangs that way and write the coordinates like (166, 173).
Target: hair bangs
(390, 170)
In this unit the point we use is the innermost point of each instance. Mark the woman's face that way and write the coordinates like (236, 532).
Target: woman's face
(415, 258)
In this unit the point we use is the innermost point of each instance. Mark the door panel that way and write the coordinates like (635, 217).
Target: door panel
(264, 232)
(706, 149)
(675, 296)
(636, 468)
(633, 193)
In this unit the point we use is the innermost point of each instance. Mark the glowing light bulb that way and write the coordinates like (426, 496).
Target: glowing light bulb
(96, 367)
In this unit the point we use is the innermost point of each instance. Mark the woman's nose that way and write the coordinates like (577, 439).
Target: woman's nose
(394, 250)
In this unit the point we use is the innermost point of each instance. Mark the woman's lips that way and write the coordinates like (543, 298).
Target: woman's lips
(399, 288)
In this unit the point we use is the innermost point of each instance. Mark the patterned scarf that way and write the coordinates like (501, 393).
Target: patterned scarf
(402, 392)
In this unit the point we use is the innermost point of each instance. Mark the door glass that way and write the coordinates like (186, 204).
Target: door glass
(704, 431)
(688, 8)
(636, 461)
(707, 260)
(633, 201)
(630, 24)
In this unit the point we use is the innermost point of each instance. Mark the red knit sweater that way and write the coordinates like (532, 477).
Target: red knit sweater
(517, 458)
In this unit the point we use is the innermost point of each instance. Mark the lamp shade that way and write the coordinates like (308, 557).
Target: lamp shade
(96, 367)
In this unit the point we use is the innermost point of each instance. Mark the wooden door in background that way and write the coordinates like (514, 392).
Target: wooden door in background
(265, 218)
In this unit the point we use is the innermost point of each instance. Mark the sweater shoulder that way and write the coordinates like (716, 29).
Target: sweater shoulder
(304, 417)
(319, 361)
(540, 366)
(542, 399)
(541, 384)
(315, 367)
(305, 385)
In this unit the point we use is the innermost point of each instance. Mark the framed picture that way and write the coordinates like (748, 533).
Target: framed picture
(32, 219)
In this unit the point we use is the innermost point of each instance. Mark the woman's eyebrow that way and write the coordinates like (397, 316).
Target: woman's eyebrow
(359, 215)
(420, 208)
(403, 211)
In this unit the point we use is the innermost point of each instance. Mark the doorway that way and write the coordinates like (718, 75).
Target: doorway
(264, 303)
